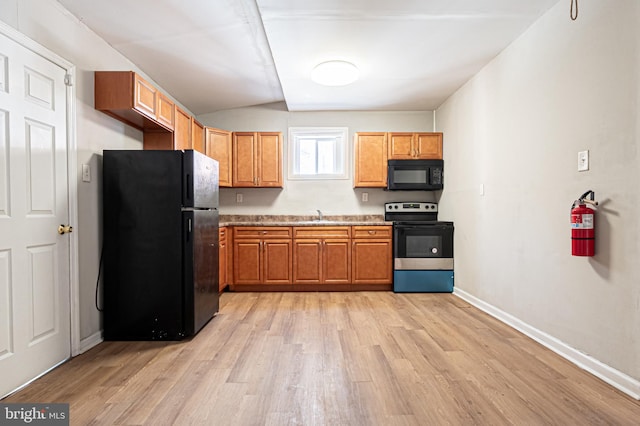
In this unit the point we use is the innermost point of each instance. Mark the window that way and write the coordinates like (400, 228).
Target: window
(318, 153)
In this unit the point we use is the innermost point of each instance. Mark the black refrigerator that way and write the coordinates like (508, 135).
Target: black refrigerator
(160, 244)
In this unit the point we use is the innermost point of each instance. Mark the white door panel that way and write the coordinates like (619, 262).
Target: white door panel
(34, 258)
(6, 315)
(4, 161)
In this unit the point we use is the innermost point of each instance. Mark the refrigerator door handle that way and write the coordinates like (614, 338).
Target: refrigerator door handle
(188, 190)
(188, 233)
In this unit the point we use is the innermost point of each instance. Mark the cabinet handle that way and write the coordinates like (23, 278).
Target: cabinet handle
(264, 232)
(372, 232)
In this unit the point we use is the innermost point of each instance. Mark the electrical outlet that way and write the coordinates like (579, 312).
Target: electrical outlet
(583, 161)
(86, 173)
(482, 189)
(239, 198)
(365, 197)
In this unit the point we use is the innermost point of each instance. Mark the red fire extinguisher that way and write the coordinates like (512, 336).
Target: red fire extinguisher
(583, 225)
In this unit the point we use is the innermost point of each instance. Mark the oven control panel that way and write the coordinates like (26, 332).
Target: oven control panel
(411, 207)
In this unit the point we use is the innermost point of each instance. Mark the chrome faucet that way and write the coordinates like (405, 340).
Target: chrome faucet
(319, 214)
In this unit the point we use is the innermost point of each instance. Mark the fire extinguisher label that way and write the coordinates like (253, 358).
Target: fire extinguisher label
(582, 221)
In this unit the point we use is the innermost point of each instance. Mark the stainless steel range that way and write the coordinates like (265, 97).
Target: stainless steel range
(422, 248)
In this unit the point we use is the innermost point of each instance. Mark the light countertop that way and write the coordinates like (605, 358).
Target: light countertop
(291, 220)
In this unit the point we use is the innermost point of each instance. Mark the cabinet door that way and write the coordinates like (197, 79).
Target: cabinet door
(269, 167)
(372, 261)
(197, 136)
(144, 100)
(277, 261)
(401, 146)
(218, 147)
(336, 261)
(165, 111)
(182, 132)
(428, 146)
(127, 97)
(307, 261)
(222, 259)
(247, 261)
(370, 160)
(244, 159)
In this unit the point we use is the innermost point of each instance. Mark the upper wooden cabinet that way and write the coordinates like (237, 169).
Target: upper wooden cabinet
(128, 97)
(131, 99)
(257, 159)
(218, 147)
(165, 111)
(370, 160)
(197, 136)
(182, 132)
(414, 146)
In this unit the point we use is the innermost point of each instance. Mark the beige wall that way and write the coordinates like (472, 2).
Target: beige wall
(516, 128)
(304, 197)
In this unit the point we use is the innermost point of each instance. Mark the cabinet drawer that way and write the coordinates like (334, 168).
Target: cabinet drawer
(372, 231)
(322, 232)
(262, 232)
(222, 234)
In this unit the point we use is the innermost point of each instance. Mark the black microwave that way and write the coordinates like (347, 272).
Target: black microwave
(426, 175)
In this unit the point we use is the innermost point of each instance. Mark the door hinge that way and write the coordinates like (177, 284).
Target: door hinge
(67, 79)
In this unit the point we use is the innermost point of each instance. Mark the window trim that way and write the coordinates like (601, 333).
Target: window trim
(297, 132)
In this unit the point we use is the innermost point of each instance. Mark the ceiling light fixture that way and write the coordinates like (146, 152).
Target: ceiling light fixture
(335, 73)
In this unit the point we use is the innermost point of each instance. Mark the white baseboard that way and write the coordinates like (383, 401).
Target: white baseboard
(89, 342)
(615, 378)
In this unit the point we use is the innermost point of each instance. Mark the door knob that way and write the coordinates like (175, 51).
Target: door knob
(65, 229)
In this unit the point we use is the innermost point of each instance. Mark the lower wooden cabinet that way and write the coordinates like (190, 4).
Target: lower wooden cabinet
(222, 259)
(311, 257)
(262, 255)
(321, 255)
(372, 255)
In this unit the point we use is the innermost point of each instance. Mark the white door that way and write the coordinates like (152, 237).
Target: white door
(34, 258)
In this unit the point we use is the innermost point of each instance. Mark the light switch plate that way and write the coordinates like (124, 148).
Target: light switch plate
(583, 161)
(239, 198)
(365, 197)
(86, 173)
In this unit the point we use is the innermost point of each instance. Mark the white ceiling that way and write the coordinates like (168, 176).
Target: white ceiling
(213, 55)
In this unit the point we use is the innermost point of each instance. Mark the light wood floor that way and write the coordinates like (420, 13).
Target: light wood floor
(370, 358)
